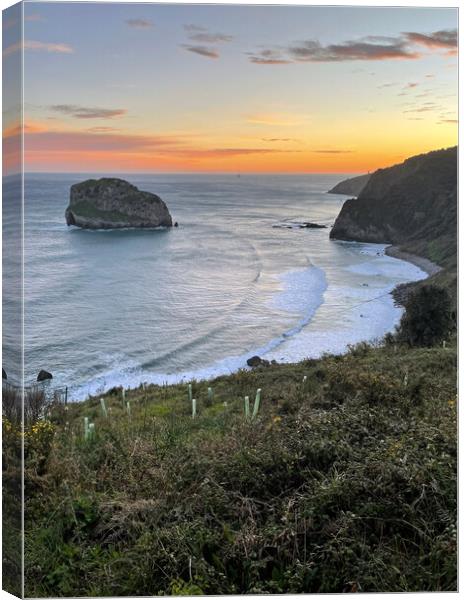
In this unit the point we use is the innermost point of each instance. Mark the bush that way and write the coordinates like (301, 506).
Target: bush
(427, 319)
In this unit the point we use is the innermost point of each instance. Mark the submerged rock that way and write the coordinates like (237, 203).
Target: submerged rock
(44, 375)
(114, 204)
(308, 225)
(299, 225)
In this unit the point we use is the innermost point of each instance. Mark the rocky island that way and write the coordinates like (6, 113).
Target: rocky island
(111, 203)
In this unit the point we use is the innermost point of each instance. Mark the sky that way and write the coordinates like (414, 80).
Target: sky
(182, 88)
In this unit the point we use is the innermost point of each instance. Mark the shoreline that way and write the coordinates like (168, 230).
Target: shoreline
(230, 365)
(425, 264)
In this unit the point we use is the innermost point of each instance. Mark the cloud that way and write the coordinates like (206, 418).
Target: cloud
(313, 51)
(279, 140)
(421, 109)
(449, 121)
(369, 48)
(202, 51)
(268, 57)
(140, 23)
(84, 112)
(225, 152)
(200, 36)
(189, 27)
(102, 129)
(67, 142)
(446, 38)
(77, 141)
(410, 86)
(211, 38)
(38, 46)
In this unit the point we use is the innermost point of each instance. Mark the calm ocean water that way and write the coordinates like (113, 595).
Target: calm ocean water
(105, 308)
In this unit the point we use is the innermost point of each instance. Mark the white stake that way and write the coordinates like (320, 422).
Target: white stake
(247, 408)
(103, 407)
(257, 402)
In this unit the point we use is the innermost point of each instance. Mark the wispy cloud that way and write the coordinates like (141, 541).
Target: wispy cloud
(39, 47)
(279, 140)
(446, 38)
(369, 48)
(102, 129)
(202, 51)
(42, 139)
(268, 57)
(140, 23)
(424, 108)
(189, 27)
(211, 38)
(84, 112)
(198, 36)
(313, 51)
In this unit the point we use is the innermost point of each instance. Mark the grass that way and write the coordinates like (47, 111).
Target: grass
(346, 482)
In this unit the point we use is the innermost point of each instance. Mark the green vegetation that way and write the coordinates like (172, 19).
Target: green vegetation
(345, 480)
(89, 210)
(427, 319)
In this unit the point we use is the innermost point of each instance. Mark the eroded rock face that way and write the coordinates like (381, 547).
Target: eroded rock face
(114, 204)
(412, 203)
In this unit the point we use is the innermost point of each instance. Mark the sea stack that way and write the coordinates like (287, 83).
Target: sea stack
(111, 203)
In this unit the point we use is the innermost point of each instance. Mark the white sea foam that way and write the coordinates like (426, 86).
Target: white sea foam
(364, 313)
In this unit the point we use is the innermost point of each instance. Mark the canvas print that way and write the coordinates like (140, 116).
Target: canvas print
(229, 299)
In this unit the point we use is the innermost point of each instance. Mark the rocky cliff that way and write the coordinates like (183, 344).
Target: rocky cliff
(113, 204)
(412, 204)
(352, 186)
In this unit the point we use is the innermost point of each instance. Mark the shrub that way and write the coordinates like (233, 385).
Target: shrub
(427, 319)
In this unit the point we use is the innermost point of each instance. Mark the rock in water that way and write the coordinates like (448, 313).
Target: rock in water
(114, 204)
(257, 361)
(43, 375)
(4, 375)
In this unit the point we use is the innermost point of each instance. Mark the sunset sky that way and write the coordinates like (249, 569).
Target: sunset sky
(122, 88)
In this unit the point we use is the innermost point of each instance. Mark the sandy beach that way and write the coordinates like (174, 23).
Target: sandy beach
(423, 263)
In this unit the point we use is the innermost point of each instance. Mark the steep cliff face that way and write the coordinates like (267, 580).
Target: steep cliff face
(413, 204)
(352, 186)
(113, 204)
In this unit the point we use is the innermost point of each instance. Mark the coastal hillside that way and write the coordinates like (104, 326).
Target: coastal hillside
(352, 186)
(412, 205)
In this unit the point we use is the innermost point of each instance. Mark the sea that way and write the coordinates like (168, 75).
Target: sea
(238, 277)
